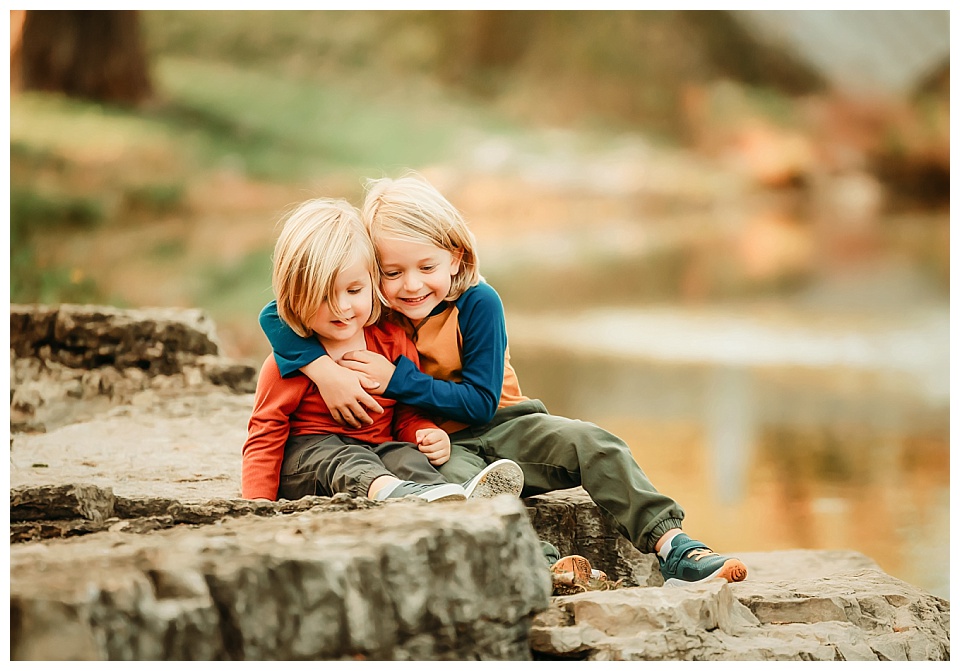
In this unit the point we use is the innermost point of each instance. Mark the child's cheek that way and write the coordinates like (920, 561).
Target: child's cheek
(391, 295)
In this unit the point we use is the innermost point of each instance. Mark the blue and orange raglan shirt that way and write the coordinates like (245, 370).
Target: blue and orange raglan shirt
(291, 406)
(464, 373)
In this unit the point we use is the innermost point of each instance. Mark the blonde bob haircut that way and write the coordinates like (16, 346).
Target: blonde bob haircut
(410, 208)
(320, 237)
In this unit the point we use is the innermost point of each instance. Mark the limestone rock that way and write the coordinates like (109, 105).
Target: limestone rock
(72, 362)
(402, 581)
(61, 502)
(176, 444)
(642, 623)
(62, 511)
(859, 615)
(572, 521)
(787, 565)
(94, 336)
(894, 619)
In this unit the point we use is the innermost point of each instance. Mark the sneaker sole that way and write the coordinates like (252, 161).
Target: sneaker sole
(733, 570)
(450, 492)
(502, 477)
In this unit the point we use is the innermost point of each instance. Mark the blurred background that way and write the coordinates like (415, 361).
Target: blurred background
(722, 235)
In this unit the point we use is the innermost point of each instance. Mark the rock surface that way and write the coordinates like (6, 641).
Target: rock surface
(71, 362)
(404, 580)
(856, 615)
(129, 541)
(571, 521)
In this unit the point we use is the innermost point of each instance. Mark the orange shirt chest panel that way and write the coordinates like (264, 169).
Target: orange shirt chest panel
(440, 344)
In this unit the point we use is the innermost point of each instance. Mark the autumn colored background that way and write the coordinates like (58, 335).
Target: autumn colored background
(713, 235)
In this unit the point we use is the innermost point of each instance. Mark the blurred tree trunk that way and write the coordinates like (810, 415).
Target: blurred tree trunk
(478, 43)
(16, 37)
(85, 54)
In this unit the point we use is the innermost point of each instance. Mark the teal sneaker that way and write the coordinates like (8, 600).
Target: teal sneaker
(691, 561)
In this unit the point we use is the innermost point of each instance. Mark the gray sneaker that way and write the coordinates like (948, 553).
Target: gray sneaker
(500, 477)
(444, 492)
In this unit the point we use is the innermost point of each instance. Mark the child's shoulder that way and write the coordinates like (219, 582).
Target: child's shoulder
(270, 377)
(480, 292)
(482, 296)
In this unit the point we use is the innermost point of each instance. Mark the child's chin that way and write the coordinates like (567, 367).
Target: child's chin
(410, 311)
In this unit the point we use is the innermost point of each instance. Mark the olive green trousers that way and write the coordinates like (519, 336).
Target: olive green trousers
(559, 453)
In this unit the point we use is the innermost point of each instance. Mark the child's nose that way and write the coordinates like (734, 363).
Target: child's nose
(411, 282)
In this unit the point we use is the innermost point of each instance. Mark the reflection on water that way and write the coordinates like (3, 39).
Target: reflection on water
(774, 458)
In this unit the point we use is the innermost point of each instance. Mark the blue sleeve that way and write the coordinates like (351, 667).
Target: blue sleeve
(474, 400)
(291, 351)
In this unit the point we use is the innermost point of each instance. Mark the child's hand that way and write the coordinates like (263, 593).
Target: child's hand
(435, 443)
(374, 366)
(343, 391)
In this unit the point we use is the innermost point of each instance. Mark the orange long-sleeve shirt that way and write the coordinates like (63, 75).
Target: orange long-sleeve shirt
(293, 406)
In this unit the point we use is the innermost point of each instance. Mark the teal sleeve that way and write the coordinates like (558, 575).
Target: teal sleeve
(474, 400)
(292, 352)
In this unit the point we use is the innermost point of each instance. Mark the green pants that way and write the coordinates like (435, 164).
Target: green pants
(328, 464)
(560, 453)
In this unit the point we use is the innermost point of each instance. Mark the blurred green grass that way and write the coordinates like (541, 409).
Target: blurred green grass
(289, 97)
(282, 128)
(79, 165)
(256, 110)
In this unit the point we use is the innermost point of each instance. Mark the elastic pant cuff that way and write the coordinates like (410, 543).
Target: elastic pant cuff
(361, 489)
(658, 531)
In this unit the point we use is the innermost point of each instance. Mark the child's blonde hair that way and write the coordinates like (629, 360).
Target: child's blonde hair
(320, 238)
(410, 208)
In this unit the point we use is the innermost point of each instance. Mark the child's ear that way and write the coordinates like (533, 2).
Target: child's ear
(455, 262)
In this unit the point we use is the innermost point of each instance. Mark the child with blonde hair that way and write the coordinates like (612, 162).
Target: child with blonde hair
(431, 283)
(325, 280)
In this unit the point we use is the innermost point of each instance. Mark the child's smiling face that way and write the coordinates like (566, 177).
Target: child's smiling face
(416, 276)
(353, 293)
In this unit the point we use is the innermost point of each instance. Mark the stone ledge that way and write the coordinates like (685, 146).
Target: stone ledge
(405, 581)
(71, 362)
(569, 519)
(865, 615)
(796, 604)
(95, 336)
(60, 511)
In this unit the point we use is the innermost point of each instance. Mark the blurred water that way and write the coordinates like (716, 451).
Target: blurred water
(774, 458)
(816, 418)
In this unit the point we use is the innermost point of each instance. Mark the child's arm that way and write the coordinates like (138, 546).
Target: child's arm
(475, 398)
(409, 423)
(341, 389)
(267, 433)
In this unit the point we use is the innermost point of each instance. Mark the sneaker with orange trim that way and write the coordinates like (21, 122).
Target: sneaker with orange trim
(690, 561)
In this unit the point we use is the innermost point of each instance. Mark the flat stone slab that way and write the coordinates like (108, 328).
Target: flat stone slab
(176, 443)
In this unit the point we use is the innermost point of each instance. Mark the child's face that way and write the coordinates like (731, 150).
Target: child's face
(416, 276)
(353, 292)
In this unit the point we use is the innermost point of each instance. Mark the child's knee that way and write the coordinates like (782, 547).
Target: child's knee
(462, 465)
